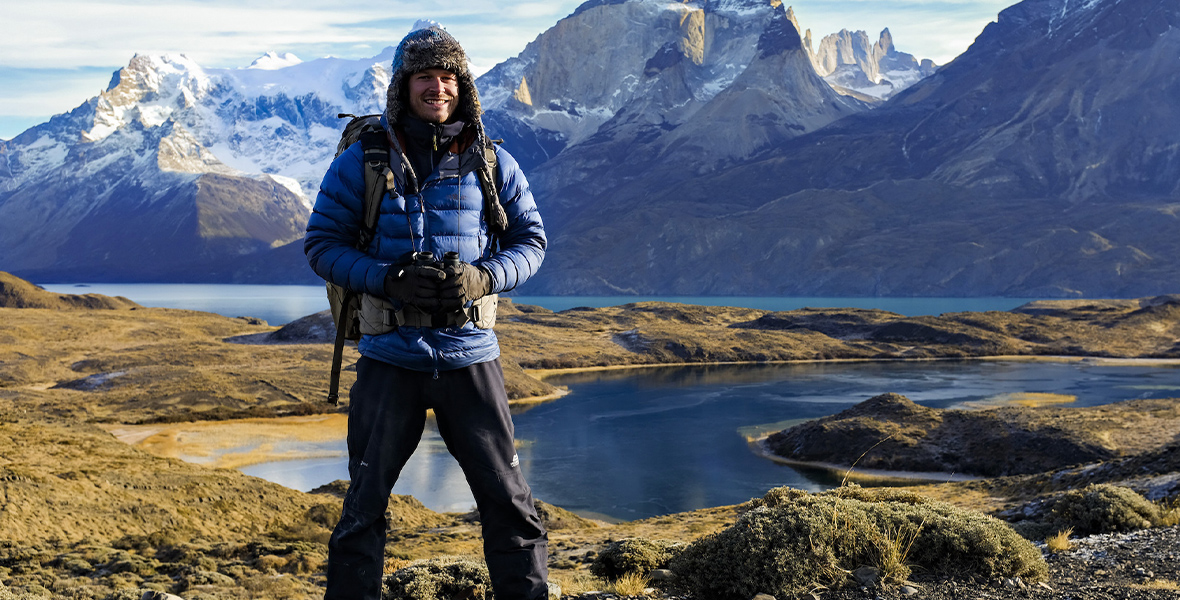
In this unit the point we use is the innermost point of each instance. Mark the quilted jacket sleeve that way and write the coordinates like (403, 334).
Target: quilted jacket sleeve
(522, 246)
(335, 224)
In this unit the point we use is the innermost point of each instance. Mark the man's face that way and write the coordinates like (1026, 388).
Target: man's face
(434, 95)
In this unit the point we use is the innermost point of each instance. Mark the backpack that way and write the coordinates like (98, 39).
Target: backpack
(379, 178)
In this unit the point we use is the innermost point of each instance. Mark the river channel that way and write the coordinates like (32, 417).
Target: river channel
(643, 442)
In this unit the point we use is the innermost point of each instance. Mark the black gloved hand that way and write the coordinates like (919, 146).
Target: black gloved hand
(464, 283)
(417, 285)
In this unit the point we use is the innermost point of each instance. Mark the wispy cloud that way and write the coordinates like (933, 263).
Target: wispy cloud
(54, 54)
(224, 33)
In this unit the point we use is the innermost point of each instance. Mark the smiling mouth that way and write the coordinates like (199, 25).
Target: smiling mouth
(437, 101)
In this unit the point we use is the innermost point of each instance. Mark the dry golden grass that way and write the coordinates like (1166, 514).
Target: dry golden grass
(1170, 513)
(1059, 542)
(577, 582)
(893, 549)
(630, 584)
(1158, 584)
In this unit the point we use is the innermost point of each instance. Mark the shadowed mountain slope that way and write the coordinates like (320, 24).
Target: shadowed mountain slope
(1041, 162)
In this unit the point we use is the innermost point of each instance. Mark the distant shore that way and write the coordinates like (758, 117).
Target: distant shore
(854, 474)
(1095, 360)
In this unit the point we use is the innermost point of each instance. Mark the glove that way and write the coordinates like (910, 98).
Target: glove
(464, 283)
(416, 285)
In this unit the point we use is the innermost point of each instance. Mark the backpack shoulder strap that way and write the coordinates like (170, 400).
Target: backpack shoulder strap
(378, 178)
(489, 181)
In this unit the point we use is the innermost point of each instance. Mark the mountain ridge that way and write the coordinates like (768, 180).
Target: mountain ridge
(944, 190)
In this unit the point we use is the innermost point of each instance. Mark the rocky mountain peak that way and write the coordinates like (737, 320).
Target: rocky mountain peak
(884, 44)
(147, 90)
(794, 20)
(851, 63)
(781, 35)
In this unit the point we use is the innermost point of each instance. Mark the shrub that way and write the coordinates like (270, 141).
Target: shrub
(124, 594)
(6, 594)
(634, 555)
(1103, 508)
(791, 541)
(436, 579)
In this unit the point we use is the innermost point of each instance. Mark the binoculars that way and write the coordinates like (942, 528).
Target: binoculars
(426, 259)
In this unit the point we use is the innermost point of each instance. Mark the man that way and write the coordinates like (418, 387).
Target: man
(434, 356)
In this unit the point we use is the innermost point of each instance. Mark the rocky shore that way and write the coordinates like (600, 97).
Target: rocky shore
(87, 516)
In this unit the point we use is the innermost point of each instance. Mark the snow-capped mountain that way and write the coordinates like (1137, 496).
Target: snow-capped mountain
(277, 117)
(176, 170)
(181, 172)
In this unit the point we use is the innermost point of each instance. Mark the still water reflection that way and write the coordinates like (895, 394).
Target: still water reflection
(637, 443)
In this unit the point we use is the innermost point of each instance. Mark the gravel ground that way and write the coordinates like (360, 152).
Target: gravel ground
(1141, 565)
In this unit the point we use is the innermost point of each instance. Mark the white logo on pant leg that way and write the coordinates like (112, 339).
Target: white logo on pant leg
(515, 461)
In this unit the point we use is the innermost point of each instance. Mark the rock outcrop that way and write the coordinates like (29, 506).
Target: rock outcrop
(853, 64)
(891, 432)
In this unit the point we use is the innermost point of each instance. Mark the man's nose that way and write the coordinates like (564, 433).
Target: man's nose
(437, 85)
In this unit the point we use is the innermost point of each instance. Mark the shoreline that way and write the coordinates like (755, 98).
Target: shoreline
(1053, 358)
(851, 473)
(219, 444)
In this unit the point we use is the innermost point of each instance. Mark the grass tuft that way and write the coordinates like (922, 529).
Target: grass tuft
(1169, 513)
(1158, 584)
(1059, 542)
(630, 584)
(578, 582)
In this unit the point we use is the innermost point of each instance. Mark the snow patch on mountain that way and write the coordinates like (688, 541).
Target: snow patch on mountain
(272, 61)
(740, 8)
(276, 117)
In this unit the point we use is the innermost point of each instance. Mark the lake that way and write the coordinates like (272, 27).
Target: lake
(644, 442)
(281, 304)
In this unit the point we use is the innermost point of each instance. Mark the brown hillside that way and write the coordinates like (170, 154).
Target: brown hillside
(18, 293)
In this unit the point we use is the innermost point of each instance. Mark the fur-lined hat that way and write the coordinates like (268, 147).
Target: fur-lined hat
(428, 48)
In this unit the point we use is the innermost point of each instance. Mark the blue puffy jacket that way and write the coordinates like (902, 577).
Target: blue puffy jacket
(447, 215)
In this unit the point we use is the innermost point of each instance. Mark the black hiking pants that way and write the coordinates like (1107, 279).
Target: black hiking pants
(386, 417)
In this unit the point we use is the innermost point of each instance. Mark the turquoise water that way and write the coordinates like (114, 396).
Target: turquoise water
(639, 443)
(280, 304)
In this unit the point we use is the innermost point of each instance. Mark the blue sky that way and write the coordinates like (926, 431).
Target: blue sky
(55, 54)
